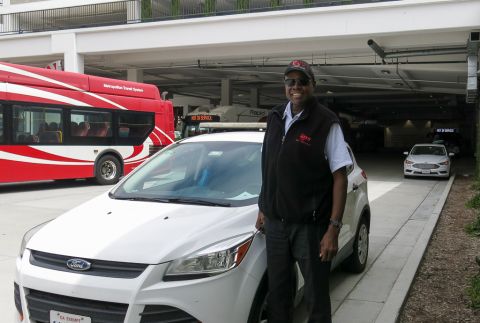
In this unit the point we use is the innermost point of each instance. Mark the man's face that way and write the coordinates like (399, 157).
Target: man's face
(300, 90)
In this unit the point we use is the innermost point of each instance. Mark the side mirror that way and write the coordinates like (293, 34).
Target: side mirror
(451, 154)
(405, 153)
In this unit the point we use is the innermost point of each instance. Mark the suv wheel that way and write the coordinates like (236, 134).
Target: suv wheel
(358, 259)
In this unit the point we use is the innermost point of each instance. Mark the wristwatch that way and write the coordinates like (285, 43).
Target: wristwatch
(336, 224)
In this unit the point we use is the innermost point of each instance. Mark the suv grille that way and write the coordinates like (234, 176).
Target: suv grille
(165, 314)
(102, 268)
(40, 304)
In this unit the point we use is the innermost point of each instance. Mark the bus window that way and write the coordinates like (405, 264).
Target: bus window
(39, 125)
(90, 123)
(134, 125)
(2, 138)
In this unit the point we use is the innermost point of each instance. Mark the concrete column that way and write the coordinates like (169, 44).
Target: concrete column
(477, 150)
(135, 75)
(74, 62)
(254, 97)
(67, 44)
(134, 11)
(226, 92)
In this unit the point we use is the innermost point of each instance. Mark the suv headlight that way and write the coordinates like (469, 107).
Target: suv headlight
(28, 235)
(212, 260)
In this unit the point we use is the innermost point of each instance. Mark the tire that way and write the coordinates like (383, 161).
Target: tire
(357, 261)
(107, 170)
(258, 312)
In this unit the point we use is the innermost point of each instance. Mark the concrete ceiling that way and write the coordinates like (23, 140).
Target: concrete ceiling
(422, 86)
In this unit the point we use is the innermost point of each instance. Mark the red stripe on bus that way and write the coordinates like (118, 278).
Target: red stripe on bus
(15, 171)
(32, 152)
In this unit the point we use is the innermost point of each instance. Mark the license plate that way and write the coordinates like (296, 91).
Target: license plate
(61, 317)
(426, 171)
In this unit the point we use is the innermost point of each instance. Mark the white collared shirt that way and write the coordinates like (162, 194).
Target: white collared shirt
(335, 148)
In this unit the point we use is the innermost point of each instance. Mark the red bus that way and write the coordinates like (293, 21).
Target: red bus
(61, 125)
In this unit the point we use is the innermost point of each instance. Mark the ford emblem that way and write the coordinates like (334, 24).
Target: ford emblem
(78, 264)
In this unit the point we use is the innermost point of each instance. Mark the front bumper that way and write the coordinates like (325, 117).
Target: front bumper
(223, 298)
(433, 170)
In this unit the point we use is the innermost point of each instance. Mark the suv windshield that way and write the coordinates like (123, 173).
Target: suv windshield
(202, 173)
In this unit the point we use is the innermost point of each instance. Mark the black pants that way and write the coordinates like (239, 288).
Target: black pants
(287, 244)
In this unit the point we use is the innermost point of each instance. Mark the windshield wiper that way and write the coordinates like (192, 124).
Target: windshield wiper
(171, 200)
(144, 199)
(197, 202)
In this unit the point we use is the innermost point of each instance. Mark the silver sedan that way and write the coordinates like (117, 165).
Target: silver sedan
(427, 160)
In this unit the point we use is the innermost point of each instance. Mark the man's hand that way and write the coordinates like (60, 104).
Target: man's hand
(260, 221)
(329, 244)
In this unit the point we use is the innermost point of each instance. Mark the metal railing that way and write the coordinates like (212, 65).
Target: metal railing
(136, 11)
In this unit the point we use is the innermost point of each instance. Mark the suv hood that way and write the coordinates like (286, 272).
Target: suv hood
(116, 230)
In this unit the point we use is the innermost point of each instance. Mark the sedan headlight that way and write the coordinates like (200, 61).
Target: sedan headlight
(28, 235)
(212, 260)
(408, 162)
(444, 162)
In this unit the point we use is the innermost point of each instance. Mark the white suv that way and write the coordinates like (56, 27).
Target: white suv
(174, 241)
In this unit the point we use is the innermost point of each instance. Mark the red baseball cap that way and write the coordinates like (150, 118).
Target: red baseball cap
(301, 66)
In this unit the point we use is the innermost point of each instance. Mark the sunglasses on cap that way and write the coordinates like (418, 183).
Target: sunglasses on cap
(300, 82)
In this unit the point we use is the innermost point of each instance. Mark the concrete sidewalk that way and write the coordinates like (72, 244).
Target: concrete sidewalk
(398, 242)
(402, 223)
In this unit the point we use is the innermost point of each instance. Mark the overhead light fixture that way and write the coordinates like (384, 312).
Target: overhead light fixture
(322, 80)
(385, 72)
(399, 84)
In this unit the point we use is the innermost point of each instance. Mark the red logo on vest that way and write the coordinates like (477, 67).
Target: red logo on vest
(304, 139)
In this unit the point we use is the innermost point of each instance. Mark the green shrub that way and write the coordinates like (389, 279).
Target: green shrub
(210, 6)
(175, 5)
(146, 9)
(275, 3)
(474, 291)
(474, 202)
(242, 5)
(474, 227)
(476, 186)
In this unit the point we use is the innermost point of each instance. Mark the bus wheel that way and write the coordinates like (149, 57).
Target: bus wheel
(107, 170)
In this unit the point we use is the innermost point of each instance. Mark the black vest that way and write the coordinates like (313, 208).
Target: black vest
(297, 181)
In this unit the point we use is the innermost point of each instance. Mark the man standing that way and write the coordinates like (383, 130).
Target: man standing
(303, 196)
